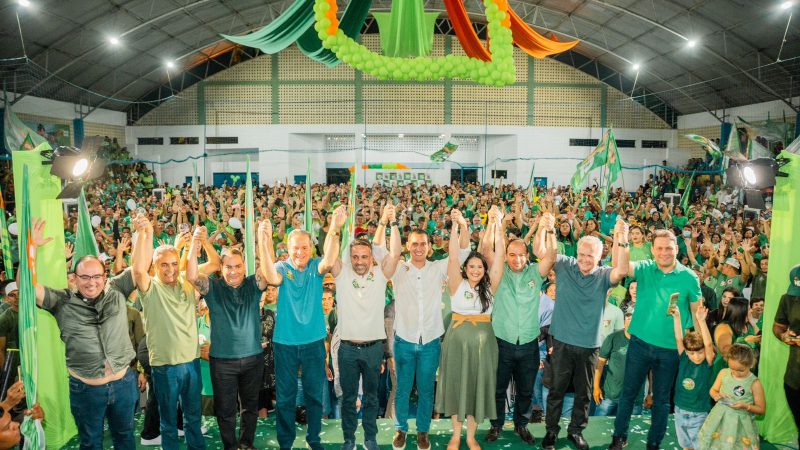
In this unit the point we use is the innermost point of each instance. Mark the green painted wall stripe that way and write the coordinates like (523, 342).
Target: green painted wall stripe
(276, 112)
(201, 103)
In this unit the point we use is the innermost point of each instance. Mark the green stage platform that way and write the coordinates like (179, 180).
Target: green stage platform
(598, 434)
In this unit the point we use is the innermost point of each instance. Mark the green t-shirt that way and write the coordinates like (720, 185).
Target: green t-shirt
(9, 326)
(692, 385)
(236, 318)
(170, 322)
(614, 350)
(515, 314)
(204, 334)
(721, 281)
(650, 321)
(679, 222)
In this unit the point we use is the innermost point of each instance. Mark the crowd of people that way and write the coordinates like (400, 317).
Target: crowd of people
(471, 301)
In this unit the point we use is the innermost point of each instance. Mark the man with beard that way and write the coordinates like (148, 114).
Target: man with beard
(360, 298)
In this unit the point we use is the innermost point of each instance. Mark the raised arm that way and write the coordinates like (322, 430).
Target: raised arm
(708, 343)
(621, 252)
(454, 276)
(331, 247)
(499, 260)
(142, 253)
(463, 237)
(267, 265)
(199, 281)
(389, 265)
(38, 240)
(678, 329)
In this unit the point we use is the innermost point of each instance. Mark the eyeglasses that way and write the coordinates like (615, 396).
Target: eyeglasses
(91, 277)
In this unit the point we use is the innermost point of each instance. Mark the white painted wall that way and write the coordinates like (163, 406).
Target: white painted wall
(759, 111)
(69, 111)
(505, 143)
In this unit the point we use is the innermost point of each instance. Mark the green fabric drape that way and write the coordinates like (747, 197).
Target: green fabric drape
(281, 32)
(52, 378)
(407, 30)
(777, 425)
(351, 23)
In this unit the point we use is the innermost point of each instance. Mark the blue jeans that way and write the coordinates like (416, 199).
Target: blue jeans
(609, 408)
(420, 360)
(91, 405)
(643, 357)
(687, 426)
(179, 383)
(288, 361)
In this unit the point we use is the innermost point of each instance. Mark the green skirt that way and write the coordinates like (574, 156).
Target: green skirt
(468, 372)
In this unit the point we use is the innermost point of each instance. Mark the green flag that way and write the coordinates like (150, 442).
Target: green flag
(350, 224)
(53, 378)
(613, 166)
(5, 241)
(18, 135)
(85, 243)
(309, 224)
(28, 323)
(196, 182)
(687, 193)
(595, 159)
(249, 224)
(709, 146)
(754, 148)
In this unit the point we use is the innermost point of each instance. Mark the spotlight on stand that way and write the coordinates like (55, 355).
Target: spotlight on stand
(76, 166)
(754, 176)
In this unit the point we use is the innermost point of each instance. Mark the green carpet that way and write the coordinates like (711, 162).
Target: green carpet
(598, 434)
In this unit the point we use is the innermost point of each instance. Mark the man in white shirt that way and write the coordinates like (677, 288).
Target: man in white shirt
(360, 297)
(418, 325)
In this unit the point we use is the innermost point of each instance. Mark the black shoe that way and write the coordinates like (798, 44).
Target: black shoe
(493, 434)
(578, 440)
(652, 447)
(524, 434)
(549, 441)
(537, 416)
(618, 443)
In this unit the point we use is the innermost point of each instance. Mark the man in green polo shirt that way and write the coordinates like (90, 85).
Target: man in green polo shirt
(515, 320)
(661, 283)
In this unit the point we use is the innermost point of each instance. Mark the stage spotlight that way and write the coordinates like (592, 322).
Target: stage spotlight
(754, 174)
(80, 167)
(75, 166)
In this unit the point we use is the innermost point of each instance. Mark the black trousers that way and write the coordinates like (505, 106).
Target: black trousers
(234, 381)
(520, 362)
(576, 364)
(360, 364)
(793, 398)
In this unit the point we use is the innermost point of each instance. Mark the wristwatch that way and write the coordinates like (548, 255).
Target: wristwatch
(393, 224)
(625, 245)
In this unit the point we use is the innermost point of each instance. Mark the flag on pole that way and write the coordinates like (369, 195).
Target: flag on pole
(5, 241)
(309, 219)
(753, 149)
(85, 243)
(249, 224)
(28, 323)
(18, 135)
(687, 193)
(530, 181)
(596, 158)
(196, 183)
(350, 223)
(613, 166)
(794, 147)
(709, 146)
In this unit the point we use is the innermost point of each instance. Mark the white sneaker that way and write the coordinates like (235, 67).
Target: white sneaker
(149, 442)
(180, 433)
(203, 430)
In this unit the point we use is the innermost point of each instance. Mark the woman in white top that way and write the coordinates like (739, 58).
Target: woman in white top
(468, 366)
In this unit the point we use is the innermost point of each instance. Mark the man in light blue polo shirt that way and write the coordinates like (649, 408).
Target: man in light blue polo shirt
(661, 283)
(576, 329)
(299, 339)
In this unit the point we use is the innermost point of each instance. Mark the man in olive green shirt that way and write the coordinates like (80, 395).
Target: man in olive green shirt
(94, 327)
(515, 320)
(169, 306)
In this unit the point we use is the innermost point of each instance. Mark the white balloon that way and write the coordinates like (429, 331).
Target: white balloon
(12, 228)
(96, 220)
(235, 223)
(131, 204)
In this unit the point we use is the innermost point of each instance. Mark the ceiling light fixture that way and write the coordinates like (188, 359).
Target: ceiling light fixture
(170, 65)
(113, 40)
(691, 43)
(784, 6)
(24, 3)
(636, 67)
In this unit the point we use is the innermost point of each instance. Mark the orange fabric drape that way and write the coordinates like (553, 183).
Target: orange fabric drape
(466, 34)
(525, 37)
(534, 43)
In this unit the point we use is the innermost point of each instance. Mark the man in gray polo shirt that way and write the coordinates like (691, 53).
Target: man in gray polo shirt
(575, 327)
(94, 328)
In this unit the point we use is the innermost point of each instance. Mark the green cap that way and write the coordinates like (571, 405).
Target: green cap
(794, 282)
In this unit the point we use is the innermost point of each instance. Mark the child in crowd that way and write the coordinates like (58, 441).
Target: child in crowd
(740, 397)
(695, 369)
